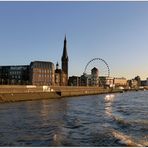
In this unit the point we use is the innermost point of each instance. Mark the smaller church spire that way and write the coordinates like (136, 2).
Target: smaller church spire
(57, 65)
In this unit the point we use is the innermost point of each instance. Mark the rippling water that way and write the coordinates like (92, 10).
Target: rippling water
(99, 120)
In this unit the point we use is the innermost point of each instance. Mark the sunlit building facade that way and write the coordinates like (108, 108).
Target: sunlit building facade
(42, 73)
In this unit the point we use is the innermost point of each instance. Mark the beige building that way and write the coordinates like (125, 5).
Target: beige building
(120, 82)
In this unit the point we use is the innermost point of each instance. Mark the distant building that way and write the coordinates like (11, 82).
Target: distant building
(94, 77)
(110, 82)
(83, 80)
(136, 82)
(133, 83)
(16, 75)
(143, 82)
(106, 81)
(90, 79)
(120, 82)
(138, 79)
(41, 73)
(74, 81)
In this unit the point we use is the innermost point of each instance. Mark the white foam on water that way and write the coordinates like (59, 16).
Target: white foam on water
(124, 139)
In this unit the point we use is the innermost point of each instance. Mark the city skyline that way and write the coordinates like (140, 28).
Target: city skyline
(114, 31)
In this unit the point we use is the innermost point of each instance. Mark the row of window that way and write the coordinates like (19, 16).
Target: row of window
(42, 70)
(42, 65)
(16, 77)
(43, 75)
(15, 72)
(12, 77)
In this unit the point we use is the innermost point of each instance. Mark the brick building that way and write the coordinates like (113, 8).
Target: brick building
(41, 73)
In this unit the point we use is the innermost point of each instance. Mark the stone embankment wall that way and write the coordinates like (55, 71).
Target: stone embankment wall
(12, 93)
(75, 91)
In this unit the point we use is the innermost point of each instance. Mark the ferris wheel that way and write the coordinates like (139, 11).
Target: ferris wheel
(101, 65)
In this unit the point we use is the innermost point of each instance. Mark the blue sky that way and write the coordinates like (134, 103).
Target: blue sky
(114, 31)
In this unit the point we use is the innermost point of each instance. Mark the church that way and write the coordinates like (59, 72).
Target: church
(61, 75)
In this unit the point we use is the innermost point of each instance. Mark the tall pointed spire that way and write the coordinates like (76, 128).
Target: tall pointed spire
(65, 55)
(64, 58)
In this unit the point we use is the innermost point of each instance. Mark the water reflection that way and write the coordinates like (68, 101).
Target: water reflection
(109, 99)
(76, 121)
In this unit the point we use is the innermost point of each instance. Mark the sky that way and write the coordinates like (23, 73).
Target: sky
(116, 32)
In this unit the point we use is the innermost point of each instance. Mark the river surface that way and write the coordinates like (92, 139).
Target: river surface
(101, 120)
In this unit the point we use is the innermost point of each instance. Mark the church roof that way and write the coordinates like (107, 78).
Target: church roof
(58, 71)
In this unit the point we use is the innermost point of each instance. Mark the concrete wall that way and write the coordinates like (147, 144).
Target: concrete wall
(80, 90)
(14, 97)
(12, 93)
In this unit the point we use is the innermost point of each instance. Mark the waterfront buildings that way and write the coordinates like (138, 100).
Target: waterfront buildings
(37, 73)
(94, 79)
(44, 73)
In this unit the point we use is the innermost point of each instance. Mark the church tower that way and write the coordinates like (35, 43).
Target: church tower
(64, 61)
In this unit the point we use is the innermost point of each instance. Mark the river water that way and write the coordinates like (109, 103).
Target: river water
(101, 120)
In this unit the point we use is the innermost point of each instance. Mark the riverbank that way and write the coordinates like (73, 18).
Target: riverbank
(14, 93)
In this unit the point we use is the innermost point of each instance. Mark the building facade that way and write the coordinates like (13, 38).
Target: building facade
(120, 82)
(14, 75)
(42, 73)
(74, 81)
(94, 77)
(106, 81)
(90, 79)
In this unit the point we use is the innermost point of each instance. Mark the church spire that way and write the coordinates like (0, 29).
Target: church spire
(64, 58)
(65, 55)
(64, 61)
(57, 65)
